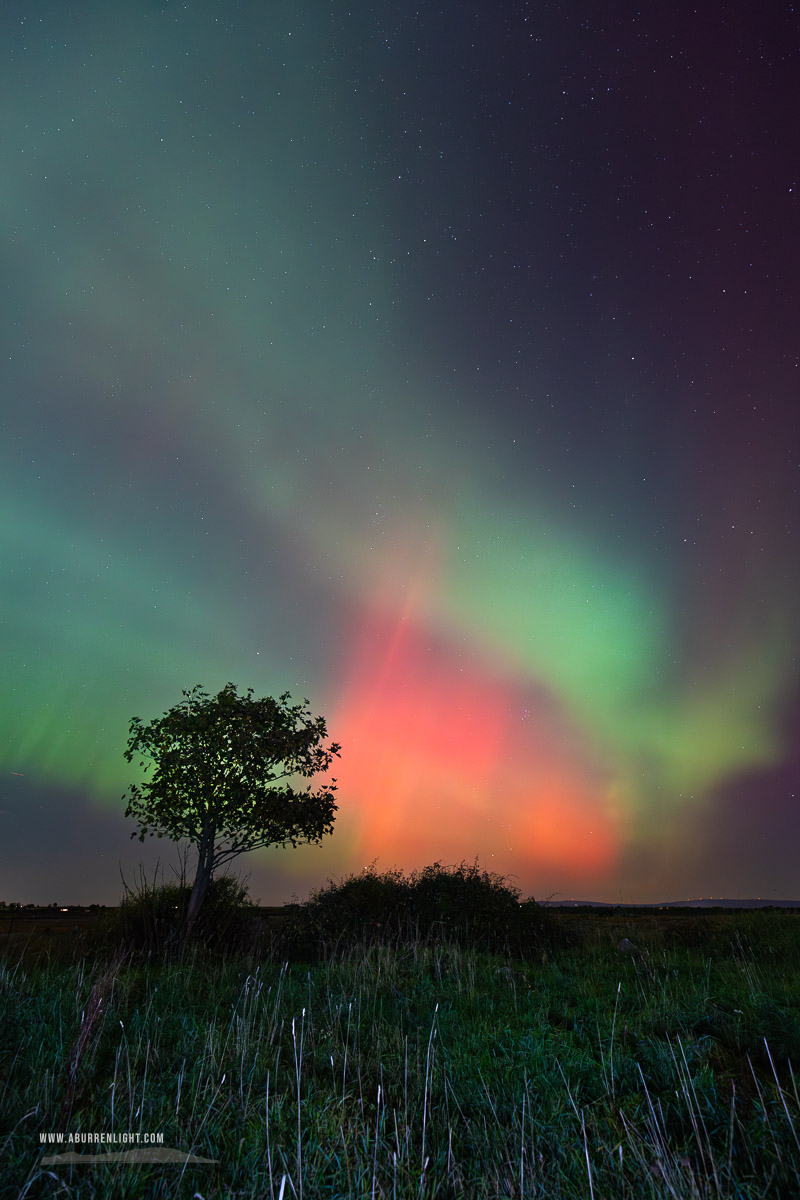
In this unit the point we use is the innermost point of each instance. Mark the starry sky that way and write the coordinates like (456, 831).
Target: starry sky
(438, 364)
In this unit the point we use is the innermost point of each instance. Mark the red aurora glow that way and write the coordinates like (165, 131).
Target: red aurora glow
(442, 758)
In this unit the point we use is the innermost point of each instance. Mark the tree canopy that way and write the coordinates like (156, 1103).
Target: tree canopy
(222, 771)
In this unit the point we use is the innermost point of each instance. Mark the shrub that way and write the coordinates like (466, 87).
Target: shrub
(149, 918)
(479, 906)
(362, 907)
(462, 904)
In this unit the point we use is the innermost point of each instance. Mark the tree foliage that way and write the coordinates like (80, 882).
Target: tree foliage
(222, 777)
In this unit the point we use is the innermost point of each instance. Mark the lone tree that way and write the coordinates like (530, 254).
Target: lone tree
(220, 780)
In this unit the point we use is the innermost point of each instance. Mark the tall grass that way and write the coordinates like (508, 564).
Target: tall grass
(419, 1068)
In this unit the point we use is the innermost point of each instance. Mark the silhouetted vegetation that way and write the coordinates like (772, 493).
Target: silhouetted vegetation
(458, 904)
(625, 1064)
(221, 770)
(150, 918)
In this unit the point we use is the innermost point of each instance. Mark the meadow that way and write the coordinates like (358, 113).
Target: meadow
(383, 1041)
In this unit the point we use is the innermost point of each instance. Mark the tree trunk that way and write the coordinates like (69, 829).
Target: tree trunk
(202, 882)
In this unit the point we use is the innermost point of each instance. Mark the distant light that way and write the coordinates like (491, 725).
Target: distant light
(64, 910)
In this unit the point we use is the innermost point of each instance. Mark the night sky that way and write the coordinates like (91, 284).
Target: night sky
(438, 364)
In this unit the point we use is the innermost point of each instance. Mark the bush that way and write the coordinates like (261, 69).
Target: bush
(150, 918)
(480, 905)
(462, 904)
(363, 907)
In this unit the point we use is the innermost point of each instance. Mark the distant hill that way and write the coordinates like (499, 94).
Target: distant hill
(702, 902)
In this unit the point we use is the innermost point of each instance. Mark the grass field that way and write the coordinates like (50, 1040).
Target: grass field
(417, 1067)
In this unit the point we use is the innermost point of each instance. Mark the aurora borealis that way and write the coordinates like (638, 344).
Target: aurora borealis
(440, 366)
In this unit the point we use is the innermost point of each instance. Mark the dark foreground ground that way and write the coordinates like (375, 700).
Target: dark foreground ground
(36, 930)
(647, 1055)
